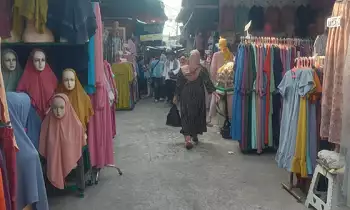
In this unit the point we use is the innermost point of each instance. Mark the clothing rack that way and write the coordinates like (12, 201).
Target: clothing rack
(299, 189)
(274, 40)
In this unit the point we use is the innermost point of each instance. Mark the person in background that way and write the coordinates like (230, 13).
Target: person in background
(199, 43)
(171, 69)
(183, 61)
(192, 83)
(156, 69)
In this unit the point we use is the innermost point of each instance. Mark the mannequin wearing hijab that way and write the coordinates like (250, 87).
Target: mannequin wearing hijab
(61, 140)
(11, 70)
(193, 80)
(38, 81)
(77, 96)
(219, 59)
(30, 180)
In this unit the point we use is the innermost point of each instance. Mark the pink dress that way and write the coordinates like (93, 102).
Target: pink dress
(100, 133)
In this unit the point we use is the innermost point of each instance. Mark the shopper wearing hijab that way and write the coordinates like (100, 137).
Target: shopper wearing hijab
(192, 81)
(171, 69)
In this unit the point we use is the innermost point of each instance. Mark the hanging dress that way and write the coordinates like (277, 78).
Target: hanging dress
(100, 132)
(332, 97)
(30, 180)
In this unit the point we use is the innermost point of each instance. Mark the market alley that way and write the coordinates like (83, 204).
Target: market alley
(160, 174)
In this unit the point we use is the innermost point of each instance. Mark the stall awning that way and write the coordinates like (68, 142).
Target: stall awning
(149, 11)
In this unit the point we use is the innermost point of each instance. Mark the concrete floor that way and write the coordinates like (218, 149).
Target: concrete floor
(159, 174)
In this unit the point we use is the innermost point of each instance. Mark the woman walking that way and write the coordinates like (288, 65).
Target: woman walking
(190, 91)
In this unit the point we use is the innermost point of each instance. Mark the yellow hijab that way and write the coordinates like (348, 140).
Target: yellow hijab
(34, 10)
(228, 57)
(79, 99)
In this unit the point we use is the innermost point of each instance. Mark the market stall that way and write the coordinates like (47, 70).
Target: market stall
(63, 93)
(298, 18)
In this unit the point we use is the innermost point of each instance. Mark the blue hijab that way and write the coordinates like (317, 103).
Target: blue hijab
(30, 180)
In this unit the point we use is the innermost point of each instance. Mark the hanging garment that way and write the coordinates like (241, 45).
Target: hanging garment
(111, 48)
(227, 17)
(332, 98)
(33, 127)
(39, 85)
(61, 143)
(79, 100)
(11, 77)
(4, 114)
(9, 165)
(5, 182)
(241, 18)
(99, 68)
(111, 81)
(306, 84)
(30, 180)
(5, 18)
(72, 20)
(34, 10)
(256, 15)
(90, 86)
(100, 132)
(123, 78)
(295, 83)
(236, 104)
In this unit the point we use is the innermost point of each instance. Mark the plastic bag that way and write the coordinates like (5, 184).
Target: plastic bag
(173, 118)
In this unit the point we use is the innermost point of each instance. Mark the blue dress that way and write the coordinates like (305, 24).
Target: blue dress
(30, 180)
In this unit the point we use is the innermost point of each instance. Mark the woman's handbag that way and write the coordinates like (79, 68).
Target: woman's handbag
(173, 118)
(172, 75)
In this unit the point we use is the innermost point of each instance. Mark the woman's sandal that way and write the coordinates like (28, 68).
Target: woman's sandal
(188, 145)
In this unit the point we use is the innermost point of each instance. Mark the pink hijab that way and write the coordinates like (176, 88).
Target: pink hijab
(39, 85)
(61, 143)
(192, 70)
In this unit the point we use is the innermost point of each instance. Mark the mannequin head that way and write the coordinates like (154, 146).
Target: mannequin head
(9, 61)
(58, 107)
(68, 78)
(39, 60)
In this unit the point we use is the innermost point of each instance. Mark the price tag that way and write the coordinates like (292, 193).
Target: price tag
(334, 22)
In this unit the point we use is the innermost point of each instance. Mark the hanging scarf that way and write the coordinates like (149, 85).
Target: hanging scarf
(61, 143)
(79, 99)
(39, 85)
(224, 49)
(11, 78)
(192, 70)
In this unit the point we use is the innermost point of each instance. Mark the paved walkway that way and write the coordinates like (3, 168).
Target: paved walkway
(159, 174)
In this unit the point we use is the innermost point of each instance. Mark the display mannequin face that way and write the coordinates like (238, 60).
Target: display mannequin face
(68, 78)
(39, 60)
(58, 107)
(10, 61)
